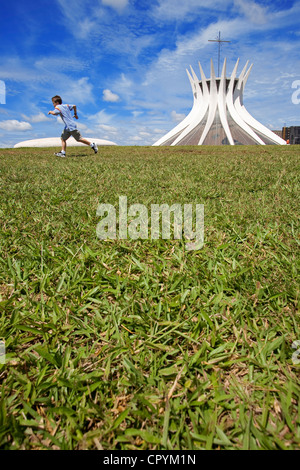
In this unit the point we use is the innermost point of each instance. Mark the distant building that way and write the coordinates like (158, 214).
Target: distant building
(291, 134)
(286, 133)
(295, 135)
(56, 142)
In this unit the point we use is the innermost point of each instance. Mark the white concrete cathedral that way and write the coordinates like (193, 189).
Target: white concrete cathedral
(218, 115)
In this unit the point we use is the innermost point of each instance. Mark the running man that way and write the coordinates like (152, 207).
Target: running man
(70, 125)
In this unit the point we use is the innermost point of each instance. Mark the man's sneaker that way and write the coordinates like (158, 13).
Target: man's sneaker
(60, 154)
(94, 147)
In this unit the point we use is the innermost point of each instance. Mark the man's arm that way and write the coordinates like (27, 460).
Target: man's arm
(75, 112)
(55, 112)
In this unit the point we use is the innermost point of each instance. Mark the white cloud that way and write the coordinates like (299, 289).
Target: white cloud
(176, 117)
(80, 17)
(116, 4)
(79, 91)
(85, 28)
(110, 96)
(100, 118)
(12, 125)
(82, 127)
(255, 13)
(179, 10)
(107, 128)
(40, 117)
(145, 134)
(60, 63)
(137, 113)
(13, 68)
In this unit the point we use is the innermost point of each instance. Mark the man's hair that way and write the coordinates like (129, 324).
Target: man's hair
(57, 99)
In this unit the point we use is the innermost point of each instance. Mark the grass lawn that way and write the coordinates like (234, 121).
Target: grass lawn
(141, 344)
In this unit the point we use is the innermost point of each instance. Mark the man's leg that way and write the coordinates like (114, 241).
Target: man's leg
(87, 142)
(84, 141)
(64, 137)
(76, 134)
(62, 153)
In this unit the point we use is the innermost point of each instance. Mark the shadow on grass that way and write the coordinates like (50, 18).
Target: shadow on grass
(72, 156)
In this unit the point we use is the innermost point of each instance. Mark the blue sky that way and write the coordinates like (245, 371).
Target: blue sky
(123, 63)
